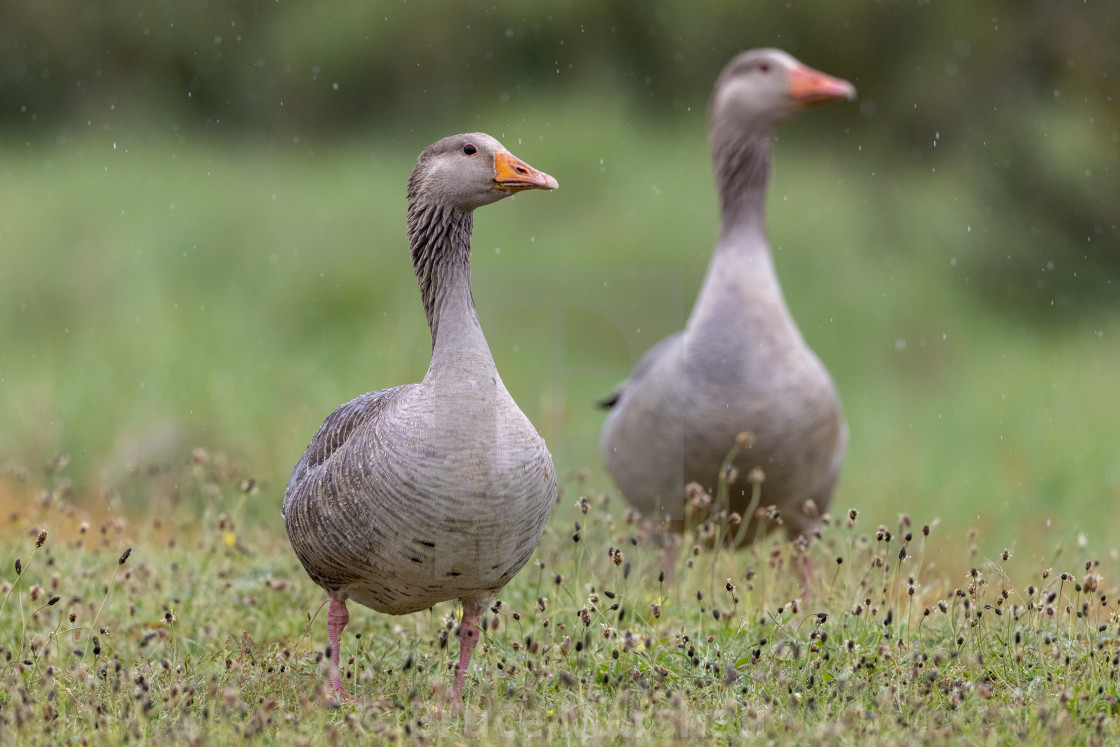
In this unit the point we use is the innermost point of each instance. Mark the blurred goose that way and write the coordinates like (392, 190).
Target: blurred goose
(740, 365)
(438, 490)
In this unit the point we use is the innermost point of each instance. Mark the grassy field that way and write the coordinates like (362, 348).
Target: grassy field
(162, 293)
(189, 624)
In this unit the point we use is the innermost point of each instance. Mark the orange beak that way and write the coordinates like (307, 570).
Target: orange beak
(514, 175)
(808, 86)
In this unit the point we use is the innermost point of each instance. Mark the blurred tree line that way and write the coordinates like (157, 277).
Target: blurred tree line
(1025, 90)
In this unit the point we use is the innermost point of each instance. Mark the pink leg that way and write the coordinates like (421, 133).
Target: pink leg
(469, 633)
(337, 617)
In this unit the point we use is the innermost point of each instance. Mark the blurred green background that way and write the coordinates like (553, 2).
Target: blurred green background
(202, 229)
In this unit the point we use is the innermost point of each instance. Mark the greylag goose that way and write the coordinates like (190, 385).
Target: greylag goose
(740, 364)
(440, 490)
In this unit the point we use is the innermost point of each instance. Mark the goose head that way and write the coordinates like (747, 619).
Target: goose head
(468, 171)
(763, 87)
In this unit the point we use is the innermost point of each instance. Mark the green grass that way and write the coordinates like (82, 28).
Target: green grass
(160, 293)
(208, 630)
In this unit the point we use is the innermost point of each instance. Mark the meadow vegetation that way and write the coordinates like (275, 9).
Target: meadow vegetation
(179, 314)
(189, 624)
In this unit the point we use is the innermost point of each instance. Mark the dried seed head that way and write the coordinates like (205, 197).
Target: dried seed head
(655, 609)
(1006, 554)
(39, 540)
(809, 508)
(124, 556)
(744, 440)
(925, 530)
(756, 476)
(1090, 582)
(729, 474)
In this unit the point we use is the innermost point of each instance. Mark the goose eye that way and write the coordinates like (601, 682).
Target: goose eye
(469, 149)
(764, 67)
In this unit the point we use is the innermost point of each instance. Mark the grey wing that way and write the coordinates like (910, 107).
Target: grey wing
(337, 429)
(645, 364)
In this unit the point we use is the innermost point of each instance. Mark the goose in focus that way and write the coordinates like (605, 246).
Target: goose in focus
(740, 364)
(439, 490)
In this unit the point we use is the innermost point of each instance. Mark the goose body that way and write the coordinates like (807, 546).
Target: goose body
(741, 363)
(437, 490)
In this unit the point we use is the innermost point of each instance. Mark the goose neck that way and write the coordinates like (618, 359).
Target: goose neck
(439, 239)
(742, 169)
